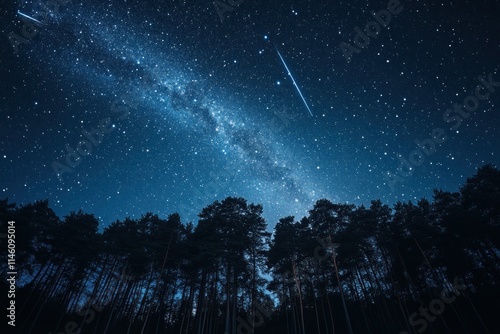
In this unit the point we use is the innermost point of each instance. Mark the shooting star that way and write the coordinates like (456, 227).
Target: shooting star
(29, 17)
(293, 80)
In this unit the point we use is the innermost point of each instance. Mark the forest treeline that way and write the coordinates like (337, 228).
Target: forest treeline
(425, 267)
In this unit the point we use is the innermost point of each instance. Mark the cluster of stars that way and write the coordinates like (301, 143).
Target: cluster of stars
(207, 97)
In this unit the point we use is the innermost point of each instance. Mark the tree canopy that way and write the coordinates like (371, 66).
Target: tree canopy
(427, 267)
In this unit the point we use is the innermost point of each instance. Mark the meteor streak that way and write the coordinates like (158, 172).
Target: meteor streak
(293, 80)
(29, 17)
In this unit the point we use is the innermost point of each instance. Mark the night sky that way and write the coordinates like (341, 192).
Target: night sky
(124, 107)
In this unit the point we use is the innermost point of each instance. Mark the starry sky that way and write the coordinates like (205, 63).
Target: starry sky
(124, 107)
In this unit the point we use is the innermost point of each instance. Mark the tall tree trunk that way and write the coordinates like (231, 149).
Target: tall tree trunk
(158, 280)
(228, 299)
(201, 302)
(348, 320)
(297, 283)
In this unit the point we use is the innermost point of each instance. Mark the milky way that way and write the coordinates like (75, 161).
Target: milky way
(197, 110)
(121, 61)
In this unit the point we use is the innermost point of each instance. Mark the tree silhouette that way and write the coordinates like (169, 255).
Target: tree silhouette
(431, 266)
